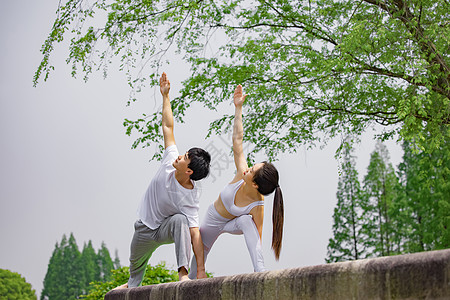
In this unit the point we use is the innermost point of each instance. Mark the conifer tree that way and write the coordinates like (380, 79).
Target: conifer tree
(348, 238)
(400, 217)
(426, 184)
(105, 263)
(380, 187)
(116, 260)
(52, 284)
(70, 272)
(73, 270)
(91, 268)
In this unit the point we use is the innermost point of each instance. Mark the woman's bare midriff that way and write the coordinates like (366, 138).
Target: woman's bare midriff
(218, 204)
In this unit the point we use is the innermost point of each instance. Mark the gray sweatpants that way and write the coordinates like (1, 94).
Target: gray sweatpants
(174, 229)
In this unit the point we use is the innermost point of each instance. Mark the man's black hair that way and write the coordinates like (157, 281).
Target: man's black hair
(200, 162)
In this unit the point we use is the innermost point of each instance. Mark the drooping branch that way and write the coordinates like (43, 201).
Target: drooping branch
(402, 12)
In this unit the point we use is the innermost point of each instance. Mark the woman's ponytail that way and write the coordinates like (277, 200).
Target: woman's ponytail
(277, 221)
(266, 178)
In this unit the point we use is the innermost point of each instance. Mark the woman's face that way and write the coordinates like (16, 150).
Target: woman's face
(250, 172)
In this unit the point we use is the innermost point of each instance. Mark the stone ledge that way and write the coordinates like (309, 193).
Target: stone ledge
(423, 275)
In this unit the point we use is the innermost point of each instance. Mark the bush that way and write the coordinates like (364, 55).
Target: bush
(13, 286)
(153, 275)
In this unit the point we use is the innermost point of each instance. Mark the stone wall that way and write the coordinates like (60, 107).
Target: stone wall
(423, 275)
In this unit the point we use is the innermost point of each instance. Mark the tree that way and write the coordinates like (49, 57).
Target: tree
(348, 238)
(52, 284)
(105, 263)
(425, 182)
(313, 69)
(396, 214)
(116, 260)
(70, 272)
(90, 264)
(65, 278)
(14, 287)
(381, 186)
(400, 220)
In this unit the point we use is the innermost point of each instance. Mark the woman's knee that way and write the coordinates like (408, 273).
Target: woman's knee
(244, 221)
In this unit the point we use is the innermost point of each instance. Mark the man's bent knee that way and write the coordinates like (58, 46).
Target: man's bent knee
(179, 222)
(179, 219)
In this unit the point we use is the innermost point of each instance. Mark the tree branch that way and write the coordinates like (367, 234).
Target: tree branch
(326, 37)
(430, 53)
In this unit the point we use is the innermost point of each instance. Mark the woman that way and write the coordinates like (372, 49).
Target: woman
(240, 206)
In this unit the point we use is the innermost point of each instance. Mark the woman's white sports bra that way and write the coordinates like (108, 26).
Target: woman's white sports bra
(229, 193)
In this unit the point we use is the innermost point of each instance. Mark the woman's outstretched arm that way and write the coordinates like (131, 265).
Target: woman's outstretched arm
(238, 134)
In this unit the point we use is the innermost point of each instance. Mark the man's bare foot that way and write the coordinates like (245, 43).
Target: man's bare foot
(123, 286)
(184, 278)
(183, 274)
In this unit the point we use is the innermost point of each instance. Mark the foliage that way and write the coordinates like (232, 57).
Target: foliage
(403, 212)
(116, 260)
(313, 69)
(70, 271)
(426, 188)
(64, 277)
(91, 267)
(380, 186)
(105, 263)
(348, 238)
(14, 287)
(153, 275)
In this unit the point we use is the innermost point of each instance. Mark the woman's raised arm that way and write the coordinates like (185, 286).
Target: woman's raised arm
(238, 134)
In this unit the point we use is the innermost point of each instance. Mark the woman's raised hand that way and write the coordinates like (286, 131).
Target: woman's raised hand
(164, 84)
(239, 98)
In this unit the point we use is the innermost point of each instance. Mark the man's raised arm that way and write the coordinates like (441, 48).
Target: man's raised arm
(167, 115)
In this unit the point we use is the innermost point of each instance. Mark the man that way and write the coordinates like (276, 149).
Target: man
(168, 212)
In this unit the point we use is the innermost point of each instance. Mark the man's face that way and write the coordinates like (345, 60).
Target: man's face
(182, 162)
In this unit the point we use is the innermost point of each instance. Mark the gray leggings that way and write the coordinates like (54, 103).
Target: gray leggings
(214, 225)
(174, 229)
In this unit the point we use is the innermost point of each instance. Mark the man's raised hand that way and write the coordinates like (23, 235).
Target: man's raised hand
(239, 98)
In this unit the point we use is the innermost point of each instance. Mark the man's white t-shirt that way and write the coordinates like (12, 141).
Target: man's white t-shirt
(165, 196)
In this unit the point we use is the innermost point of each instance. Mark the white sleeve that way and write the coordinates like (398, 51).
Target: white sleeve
(191, 213)
(193, 220)
(170, 154)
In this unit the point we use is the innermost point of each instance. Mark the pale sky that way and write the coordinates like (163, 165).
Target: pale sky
(66, 164)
